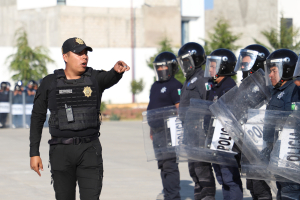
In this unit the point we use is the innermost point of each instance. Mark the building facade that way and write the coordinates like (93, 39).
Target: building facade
(128, 30)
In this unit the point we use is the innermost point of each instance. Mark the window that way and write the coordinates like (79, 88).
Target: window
(61, 2)
(184, 32)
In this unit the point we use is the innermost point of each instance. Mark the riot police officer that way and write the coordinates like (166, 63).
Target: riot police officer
(4, 97)
(252, 58)
(73, 96)
(280, 66)
(191, 57)
(166, 92)
(220, 66)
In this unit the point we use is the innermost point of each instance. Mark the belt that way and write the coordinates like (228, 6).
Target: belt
(73, 140)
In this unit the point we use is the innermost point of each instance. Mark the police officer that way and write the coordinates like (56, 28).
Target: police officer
(4, 97)
(29, 97)
(220, 66)
(191, 57)
(17, 120)
(73, 96)
(279, 68)
(252, 58)
(166, 92)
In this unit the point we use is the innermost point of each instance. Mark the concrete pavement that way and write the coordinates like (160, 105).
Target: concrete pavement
(127, 174)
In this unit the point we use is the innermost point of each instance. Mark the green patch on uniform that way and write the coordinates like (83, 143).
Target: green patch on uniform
(293, 106)
(179, 91)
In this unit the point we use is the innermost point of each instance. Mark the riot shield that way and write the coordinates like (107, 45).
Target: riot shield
(231, 109)
(285, 157)
(204, 138)
(260, 132)
(18, 110)
(161, 127)
(5, 97)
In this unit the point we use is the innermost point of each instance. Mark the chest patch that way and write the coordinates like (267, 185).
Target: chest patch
(280, 95)
(208, 86)
(194, 80)
(163, 90)
(67, 91)
(87, 91)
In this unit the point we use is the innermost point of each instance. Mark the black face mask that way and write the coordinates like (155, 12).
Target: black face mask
(163, 75)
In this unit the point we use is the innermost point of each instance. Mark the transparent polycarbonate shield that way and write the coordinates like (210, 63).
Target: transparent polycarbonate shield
(246, 60)
(285, 157)
(273, 69)
(204, 139)
(161, 127)
(212, 66)
(260, 132)
(186, 64)
(231, 109)
(297, 68)
(163, 70)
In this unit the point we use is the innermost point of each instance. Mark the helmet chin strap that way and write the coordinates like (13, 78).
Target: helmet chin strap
(278, 85)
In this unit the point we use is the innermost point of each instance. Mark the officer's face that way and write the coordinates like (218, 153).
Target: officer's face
(245, 62)
(212, 69)
(77, 62)
(274, 75)
(160, 68)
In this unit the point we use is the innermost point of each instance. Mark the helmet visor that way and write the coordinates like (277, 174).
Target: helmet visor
(186, 64)
(246, 60)
(297, 68)
(212, 66)
(273, 69)
(163, 70)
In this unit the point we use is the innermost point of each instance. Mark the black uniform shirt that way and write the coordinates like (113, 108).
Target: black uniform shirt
(43, 100)
(166, 93)
(283, 97)
(194, 87)
(218, 89)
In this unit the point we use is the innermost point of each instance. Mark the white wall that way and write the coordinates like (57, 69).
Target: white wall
(31, 4)
(192, 8)
(109, 4)
(105, 59)
(194, 12)
(35, 4)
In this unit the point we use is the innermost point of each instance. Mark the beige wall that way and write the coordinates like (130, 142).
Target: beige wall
(249, 17)
(98, 27)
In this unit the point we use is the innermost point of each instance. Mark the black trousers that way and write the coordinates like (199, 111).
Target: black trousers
(202, 175)
(170, 178)
(259, 189)
(77, 163)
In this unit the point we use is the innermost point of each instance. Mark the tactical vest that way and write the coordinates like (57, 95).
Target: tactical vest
(79, 98)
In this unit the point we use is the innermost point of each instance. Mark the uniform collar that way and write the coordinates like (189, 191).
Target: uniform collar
(196, 72)
(288, 83)
(219, 84)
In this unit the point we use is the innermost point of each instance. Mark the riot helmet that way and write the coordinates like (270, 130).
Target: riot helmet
(220, 62)
(19, 85)
(165, 66)
(5, 85)
(190, 57)
(280, 66)
(251, 58)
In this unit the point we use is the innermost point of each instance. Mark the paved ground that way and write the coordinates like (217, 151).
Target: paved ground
(127, 174)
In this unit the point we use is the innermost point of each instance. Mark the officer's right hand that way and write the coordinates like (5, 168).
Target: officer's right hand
(36, 164)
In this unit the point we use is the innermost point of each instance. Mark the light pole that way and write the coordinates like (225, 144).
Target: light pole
(132, 46)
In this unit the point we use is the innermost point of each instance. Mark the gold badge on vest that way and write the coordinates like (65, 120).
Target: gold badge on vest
(87, 91)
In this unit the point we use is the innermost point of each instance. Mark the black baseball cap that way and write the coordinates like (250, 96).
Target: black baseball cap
(76, 45)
